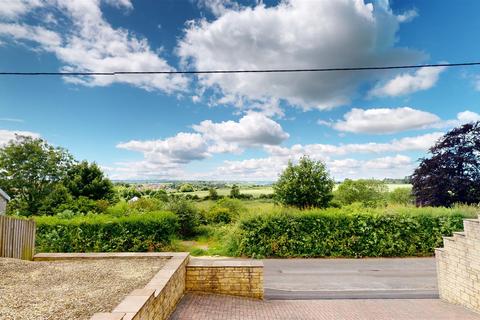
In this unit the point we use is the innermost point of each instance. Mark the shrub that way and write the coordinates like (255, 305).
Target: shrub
(401, 196)
(186, 187)
(103, 233)
(187, 214)
(387, 232)
(145, 204)
(369, 192)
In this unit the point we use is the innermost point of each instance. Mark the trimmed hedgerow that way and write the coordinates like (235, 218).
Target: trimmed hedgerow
(345, 233)
(103, 233)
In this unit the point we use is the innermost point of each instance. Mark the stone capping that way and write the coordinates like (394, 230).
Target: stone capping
(157, 300)
(106, 255)
(216, 263)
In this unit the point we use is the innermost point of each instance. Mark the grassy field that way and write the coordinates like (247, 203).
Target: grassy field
(257, 191)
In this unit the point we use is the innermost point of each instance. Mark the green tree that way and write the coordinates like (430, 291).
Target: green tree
(88, 180)
(186, 187)
(307, 184)
(30, 171)
(369, 192)
(235, 192)
(401, 196)
(212, 194)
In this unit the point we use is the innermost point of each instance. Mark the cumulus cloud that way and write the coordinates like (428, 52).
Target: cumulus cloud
(180, 149)
(92, 44)
(268, 168)
(406, 83)
(468, 116)
(385, 120)
(8, 135)
(252, 130)
(407, 16)
(295, 34)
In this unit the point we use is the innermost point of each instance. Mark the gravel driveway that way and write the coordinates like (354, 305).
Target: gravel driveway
(69, 289)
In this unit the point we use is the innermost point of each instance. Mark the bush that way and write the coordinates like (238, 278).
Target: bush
(187, 214)
(146, 205)
(391, 232)
(225, 211)
(104, 233)
(369, 192)
(401, 196)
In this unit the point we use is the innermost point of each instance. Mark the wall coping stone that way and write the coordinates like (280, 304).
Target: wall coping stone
(107, 255)
(211, 263)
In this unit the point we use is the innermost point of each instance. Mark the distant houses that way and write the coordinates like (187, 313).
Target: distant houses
(4, 198)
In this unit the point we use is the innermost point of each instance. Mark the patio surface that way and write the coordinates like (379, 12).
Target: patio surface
(213, 307)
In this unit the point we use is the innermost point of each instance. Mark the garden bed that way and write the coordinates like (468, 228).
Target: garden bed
(73, 289)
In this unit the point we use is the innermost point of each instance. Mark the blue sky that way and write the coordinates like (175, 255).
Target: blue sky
(238, 127)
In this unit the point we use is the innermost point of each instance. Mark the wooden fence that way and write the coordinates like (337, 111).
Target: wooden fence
(17, 238)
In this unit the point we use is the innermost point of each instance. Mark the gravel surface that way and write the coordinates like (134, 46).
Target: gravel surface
(73, 289)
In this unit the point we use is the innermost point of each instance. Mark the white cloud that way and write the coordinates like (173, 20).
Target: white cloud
(294, 34)
(416, 143)
(385, 120)
(407, 16)
(12, 9)
(269, 168)
(92, 44)
(406, 83)
(468, 116)
(219, 7)
(7, 135)
(252, 130)
(180, 149)
(11, 120)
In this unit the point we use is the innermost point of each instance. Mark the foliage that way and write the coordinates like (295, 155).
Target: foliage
(369, 192)
(31, 170)
(103, 233)
(452, 173)
(87, 180)
(186, 187)
(387, 232)
(212, 194)
(235, 192)
(146, 205)
(304, 185)
(401, 196)
(225, 211)
(187, 213)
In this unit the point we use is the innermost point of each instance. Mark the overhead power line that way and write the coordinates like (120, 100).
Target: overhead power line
(115, 73)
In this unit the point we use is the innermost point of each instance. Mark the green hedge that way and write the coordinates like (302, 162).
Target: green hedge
(103, 233)
(345, 233)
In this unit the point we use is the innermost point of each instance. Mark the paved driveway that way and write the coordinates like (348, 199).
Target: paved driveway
(386, 278)
(214, 307)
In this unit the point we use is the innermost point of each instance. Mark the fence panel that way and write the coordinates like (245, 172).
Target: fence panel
(17, 238)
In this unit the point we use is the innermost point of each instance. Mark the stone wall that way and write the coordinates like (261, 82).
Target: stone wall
(238, 278)
(458, 266)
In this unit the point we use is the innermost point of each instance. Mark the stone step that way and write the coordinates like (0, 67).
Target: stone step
(471, 227)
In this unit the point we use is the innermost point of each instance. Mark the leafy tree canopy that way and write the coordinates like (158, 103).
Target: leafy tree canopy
(87, 180)
(306, 184)
(452, 173)
(235, 192)
(369, 192)
(30, 170)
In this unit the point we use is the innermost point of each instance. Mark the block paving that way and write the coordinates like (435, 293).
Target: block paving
(196, 306)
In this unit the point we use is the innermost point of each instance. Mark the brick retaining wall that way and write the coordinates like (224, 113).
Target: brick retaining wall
(238, 278)
(458, 266)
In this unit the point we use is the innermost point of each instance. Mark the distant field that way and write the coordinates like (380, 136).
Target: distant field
(256, 191)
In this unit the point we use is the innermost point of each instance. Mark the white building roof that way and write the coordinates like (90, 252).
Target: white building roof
(4, 195)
